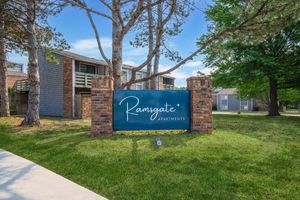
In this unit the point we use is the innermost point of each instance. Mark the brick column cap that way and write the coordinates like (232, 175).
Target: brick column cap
(198, 78)
(195, 83)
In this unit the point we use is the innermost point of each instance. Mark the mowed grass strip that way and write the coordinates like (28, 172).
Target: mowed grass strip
(246, 157)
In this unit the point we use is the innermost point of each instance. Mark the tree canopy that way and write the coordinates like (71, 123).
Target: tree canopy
(259, 59)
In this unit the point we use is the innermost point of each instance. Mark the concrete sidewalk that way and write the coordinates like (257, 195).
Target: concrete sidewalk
(21, 179)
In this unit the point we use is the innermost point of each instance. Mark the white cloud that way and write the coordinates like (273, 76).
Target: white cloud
(130, 62)
(206, 71)
(131, 52)
(89, 47)
(178, 74)
(198, 63)
(90, 44)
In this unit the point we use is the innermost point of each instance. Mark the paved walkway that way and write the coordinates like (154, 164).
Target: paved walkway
(21, 179)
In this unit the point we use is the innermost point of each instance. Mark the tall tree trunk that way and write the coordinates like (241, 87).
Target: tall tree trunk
(117, 39)
(32, 115)
(150, 43)
(155, 80)
(273, 106)
(4, 101)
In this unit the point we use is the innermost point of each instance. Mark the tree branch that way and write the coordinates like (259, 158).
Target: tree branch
(98, 39)
(204, 45)
(79, 4)
(138, 11)
(106, 4)
(158, 42)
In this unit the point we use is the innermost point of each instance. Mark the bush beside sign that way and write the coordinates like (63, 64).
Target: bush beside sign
(151, 110)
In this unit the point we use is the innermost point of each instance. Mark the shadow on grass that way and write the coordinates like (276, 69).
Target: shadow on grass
(129, 165)
(277, 129)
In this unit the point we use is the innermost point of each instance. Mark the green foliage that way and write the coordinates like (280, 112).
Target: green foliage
(16, 30)
(258, 50)
(249, 67)
(250, 21)
(246, 157)
(180, 88)
(290, 96)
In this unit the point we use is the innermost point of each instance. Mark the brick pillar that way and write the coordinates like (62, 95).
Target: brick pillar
(201, 104)
(102, 105)
(68, 88)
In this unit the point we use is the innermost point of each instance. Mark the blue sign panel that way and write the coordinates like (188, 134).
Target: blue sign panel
(151, 110)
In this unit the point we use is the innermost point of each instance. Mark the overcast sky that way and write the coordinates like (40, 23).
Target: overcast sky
(75, 27)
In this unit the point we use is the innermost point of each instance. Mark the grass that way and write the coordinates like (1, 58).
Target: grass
(247, 157)
(292, 111)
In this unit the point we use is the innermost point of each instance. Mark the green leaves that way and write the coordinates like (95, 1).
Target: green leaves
(265, 44)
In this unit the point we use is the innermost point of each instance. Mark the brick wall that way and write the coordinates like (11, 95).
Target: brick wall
(68, 89)
(102, 106)
(86, 105)
(201, 104)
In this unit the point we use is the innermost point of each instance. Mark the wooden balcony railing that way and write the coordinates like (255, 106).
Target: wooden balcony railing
(21, 86)
(168, 87)
(84, 80)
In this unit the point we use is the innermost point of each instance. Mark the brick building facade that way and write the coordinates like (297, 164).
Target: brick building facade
(66, 84)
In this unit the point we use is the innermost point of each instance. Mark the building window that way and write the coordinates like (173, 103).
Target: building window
(86, 68)
(124, 76)
(100, 70)
(224, 102)
(139, 86)
(244, 105)
(168, 81)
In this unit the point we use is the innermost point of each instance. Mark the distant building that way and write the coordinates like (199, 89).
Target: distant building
(228, 99)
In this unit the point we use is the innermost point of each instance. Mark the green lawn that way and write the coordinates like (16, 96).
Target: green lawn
(246, 157)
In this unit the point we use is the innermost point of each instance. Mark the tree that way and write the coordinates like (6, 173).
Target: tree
(150, 38)
(260, 18)
(4, 102)
(255, 68)
(32, 116)
(147, 31)
(9, 29)
(289, 97)
(12, 38)
(32, 32)
(123, 15)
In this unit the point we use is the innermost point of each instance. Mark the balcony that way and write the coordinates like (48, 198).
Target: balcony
(168, 87)
(21, 86)
(84, 80)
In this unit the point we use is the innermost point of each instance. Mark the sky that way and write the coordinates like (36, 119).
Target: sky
(75, 27)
